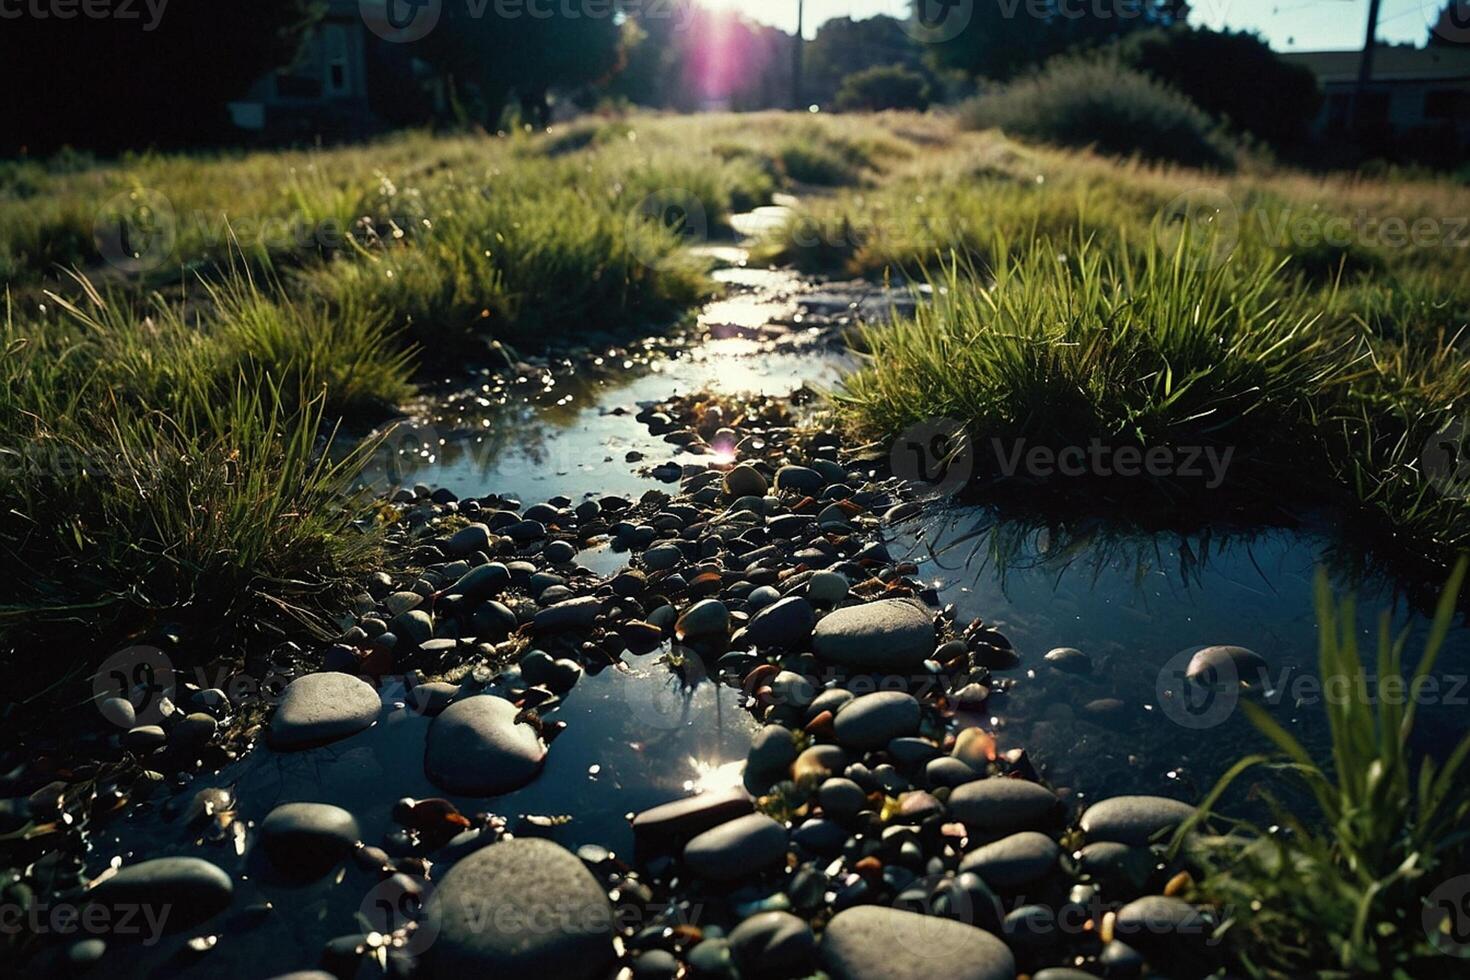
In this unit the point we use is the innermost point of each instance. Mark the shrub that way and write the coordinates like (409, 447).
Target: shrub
(1235, 76)
(1097, 102)
(883, 87)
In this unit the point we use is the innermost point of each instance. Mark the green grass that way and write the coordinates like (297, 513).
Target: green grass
(1343, 892)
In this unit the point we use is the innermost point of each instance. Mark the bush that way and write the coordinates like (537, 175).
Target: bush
(883, 87)
(1233, 76)
(1086, 102)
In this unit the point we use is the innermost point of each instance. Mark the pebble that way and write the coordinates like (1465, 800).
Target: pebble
(672, 825)
(1133, 820)
(321, 708)
(745, 481)
(468, 540)
(1069, 660)
(1170, 933)
(786, 624)
(948, 771)
(180, 891)
(573, 614)
(871, 942)
(873, 720)
(890, 634)
(307, 839)
(773, 945)
(842, 799)
(523, 907)
(827, 588)
(118, 711)
(706, 619)
(1227, 663)
(477, 748)
(772, 751)
(1014, 861)
(799, 478)
(998, 806)
(742, 847)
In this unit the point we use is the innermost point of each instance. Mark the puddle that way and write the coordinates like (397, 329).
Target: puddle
(1135, 603)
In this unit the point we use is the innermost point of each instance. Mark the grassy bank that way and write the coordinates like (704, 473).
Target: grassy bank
(1311, 324)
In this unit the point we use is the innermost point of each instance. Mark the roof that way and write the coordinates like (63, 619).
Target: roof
(1390, 63)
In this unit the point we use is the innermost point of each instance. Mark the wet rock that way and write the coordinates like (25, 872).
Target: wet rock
(662, 556)
(484, 582)
(178, 892)
(745, 846)
(1134, 820)
(1227, 664)
(786, 624)
(559, 552)
(1014, 861)
(774, 945)
(772, 751)
(710, 959)
(573, 614)
(432, 698)
(949, 771)
(321, 708)
(827, 588)
(401, 602)
(477, 748)
(118, 711)
(871, 721)
(521, 908)
(1069, 660)
(468, 540)
(1171, 934)
(703, 620)
(842, 799)
(672, 825)
(997, 806)
(819, 761)
(412, 628)
(145, 738)
(799, 478)
(307, 839)
(745, 481)
(655, 964)
(890, 634)
(871, 942)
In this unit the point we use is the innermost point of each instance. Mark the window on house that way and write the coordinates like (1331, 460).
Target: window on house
(334, 42)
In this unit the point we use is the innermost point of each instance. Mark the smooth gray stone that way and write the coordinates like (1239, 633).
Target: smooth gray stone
(997, 806)
(873, 720)
(477, 748)
(672, 825)
(1013, 861)
(872, 942)
(174, 892)
(890, 634)
(786, 624)
(773, 945)
(743, 846)
(1134, 820)
(573, 614)
(321, 708)
(521, 908)
(308, 838)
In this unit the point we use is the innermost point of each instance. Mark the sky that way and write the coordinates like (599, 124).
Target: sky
(1288, 25)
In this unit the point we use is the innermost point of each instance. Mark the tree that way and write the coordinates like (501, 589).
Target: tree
(843, 46)
(1234, 76)
(883, 87)
(1005, 37)
(498, 54)
(160, 77)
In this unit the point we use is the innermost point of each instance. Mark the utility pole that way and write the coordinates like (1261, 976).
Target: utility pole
(796, 53)
(1365, 65)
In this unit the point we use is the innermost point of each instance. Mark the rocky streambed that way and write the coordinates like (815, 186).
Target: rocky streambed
(678, 684)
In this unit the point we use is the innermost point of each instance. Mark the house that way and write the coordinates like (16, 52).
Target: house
(347, 82)
(1412, 91)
